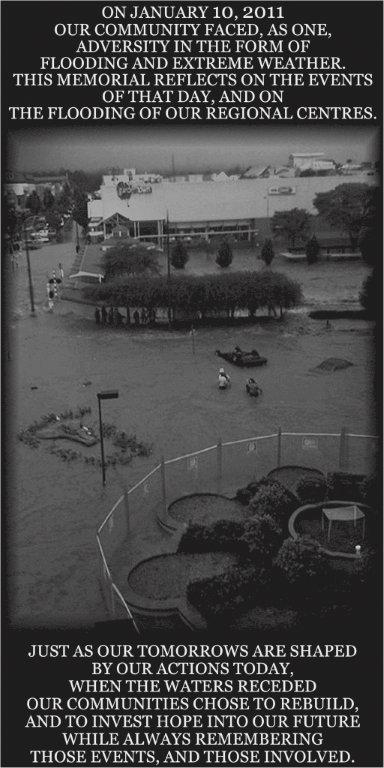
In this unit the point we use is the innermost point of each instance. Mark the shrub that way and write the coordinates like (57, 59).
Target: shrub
(272, 498)
(244, 495)
(179, 256)
(344, 486)
(261, 538)
(222, 535)
(302, 563)
(224, 255)
(311, 490)
(228, 593)
(312, 250)
(267, 252)
(369, 489)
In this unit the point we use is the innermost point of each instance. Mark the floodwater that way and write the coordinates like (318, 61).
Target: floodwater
(167, 396)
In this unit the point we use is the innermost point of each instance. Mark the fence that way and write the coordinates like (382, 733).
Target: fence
(132, 523)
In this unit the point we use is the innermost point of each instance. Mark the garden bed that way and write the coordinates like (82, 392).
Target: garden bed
(307, 521)
(167, 576)
(206, 508)
(289, 476)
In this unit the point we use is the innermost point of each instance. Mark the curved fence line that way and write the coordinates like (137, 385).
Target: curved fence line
(218, 468)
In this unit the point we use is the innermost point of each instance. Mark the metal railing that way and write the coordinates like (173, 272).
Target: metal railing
(222, 469)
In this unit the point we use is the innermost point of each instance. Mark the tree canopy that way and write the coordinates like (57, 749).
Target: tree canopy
(312, 250)
(204, 294)
(224, 254)
(129, 258)
(267, 252)
(179, 255)
(344, 208)
(369, 233)
(293, 224)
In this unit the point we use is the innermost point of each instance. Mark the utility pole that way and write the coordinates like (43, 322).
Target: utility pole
(31, 296)
(77, 238)
(169, 275)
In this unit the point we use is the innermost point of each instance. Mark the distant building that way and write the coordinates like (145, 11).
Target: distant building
(220, 177)
(195, 178)
(304, 159)
(201, 210)
(194, 211)
(257, 172)
(350, 168)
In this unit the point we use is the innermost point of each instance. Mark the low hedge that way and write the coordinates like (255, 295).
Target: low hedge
(219, 596)
(344, 486)
(261, 539)
(272, 498)
(311, 490)
(201, 294)
(222, 535)
(302, 563)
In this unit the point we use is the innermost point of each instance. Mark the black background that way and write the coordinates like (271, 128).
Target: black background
(27, 35)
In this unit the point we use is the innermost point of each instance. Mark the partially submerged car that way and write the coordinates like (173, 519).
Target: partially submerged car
(241, 358)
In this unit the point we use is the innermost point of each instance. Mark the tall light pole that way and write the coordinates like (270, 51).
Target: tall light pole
(110, 394)
(31, 294)
(169, 274)
(77, 238)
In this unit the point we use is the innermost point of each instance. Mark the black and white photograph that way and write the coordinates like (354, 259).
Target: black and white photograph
(192, 377)
(192, 524)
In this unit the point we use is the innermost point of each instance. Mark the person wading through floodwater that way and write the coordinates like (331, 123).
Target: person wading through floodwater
(224, 380)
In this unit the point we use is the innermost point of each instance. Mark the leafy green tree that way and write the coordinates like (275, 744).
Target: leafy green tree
(293, 225)
(344, 208)
(80, 209)
(33, 203)
(12, 220)
(179, 255)
(53, 219)
(85, 181)
(48, 199)
(267, 252)
(312, 250)
(369, 234)
(224, 255)
(215, 293)
(64, 200)
(127, 259)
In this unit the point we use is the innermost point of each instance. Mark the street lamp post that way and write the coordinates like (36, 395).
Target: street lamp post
(31, 295)
(77, 238)
(110, 394)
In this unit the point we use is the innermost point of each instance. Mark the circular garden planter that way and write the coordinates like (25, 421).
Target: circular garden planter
(202, 508)
(290, 475)
(307, 521)
(157, 585)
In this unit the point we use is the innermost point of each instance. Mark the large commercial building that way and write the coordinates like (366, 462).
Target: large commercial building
(202, 209)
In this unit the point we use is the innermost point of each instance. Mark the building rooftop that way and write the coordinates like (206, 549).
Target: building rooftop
(209, 201)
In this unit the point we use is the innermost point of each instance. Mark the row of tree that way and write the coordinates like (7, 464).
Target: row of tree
(351, 208)
(202, 295)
